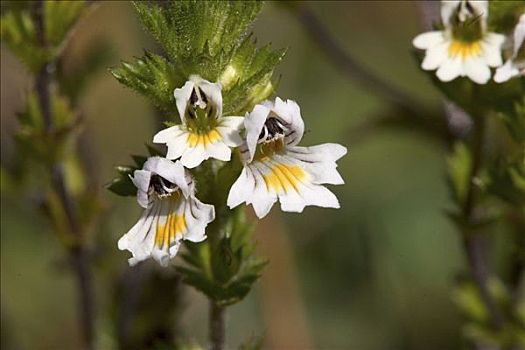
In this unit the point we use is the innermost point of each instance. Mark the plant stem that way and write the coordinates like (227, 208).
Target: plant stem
(77, 251)
(217, 326)
(473, 242)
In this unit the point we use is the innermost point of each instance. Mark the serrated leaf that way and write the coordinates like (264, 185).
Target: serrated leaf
(152, 76)
(205, 38)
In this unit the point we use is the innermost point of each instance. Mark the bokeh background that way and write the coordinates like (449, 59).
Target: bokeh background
(375, 274)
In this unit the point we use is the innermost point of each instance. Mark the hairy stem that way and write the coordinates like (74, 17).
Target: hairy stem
(78, 254)
(217, 326)
(473, 243)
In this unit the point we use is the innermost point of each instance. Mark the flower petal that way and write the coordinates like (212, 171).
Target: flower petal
(229, 128)
(428, 40)
(435, 56)
(290, 113)
(172, 171)
(193, 157)
(219, 150)
(506, 72)
(477, 70)
(450, 69)
(182, 96)
(141, 179)
(197, 215)
(254, 123)
(242, 188)
(212, 91)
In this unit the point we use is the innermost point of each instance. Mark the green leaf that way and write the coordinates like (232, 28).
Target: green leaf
(506, 179)
(153, 77)
(43, 145)
(207, 38)
(19, 32)
(247, 78)
(59, 17)
(186, 29)
(459, 165)
(225, 272)
(514, 120)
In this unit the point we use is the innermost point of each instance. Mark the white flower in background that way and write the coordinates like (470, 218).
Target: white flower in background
(464, 47)
(515, 65)
(171, 212)
(276, 169)
(204, 132)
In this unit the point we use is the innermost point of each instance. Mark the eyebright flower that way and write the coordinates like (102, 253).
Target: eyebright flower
(515, 65)
(171, 212)
(276, 169)
(464, 47)
(204, 132)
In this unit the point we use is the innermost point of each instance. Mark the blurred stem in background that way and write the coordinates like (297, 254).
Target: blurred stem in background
(38, 32)
(450, 130)
(77, 250)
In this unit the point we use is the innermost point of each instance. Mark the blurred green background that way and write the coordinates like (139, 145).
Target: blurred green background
(375, 274)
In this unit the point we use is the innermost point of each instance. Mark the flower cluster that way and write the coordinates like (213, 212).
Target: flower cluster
(466, 48)
(275, 169)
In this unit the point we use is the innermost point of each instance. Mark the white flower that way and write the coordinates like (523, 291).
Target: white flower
(275, 168)
(204, 132)
(171, 212)
(464, 47)
(515, 65)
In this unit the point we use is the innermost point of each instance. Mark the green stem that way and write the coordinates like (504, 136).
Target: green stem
(77, 252)
(473, 243)
(217, 326)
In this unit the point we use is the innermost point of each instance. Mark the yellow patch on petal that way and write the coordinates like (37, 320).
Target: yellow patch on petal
(204, 140)
(165, 234)
(464, 49)
(284, 178)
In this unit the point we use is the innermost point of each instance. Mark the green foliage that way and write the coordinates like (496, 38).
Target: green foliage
(514, 120)
(207, 38)
(253, 342)
(504, 14)
(122, 185)
(36, 141)
(153, 77)
(477, 327)
(226, 271)
(506, 180)
(20, 33)
(459, 165)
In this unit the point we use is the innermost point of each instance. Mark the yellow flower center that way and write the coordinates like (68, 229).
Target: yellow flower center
(284, 178)
(203, 139)
(165, 234)
(464, 49)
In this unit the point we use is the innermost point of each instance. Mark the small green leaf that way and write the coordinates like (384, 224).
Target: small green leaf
(459, 165)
